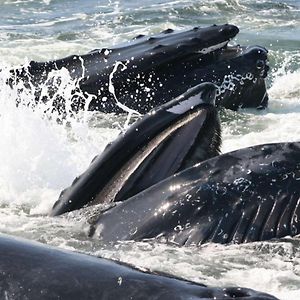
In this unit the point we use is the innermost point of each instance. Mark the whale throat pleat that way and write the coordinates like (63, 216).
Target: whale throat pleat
(133, 169)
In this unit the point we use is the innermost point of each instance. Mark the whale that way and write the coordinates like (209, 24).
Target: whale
(174, 185)
(166, 140)
(31, 270)
(149, 71)
(248, 195)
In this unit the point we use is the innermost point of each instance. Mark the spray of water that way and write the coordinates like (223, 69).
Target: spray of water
(41, 156)
(111, 88)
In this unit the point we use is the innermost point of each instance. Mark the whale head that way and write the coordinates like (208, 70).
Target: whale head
(168, 139)
(241, 77)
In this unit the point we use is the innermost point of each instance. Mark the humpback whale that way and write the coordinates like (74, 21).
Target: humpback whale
(149, 71)
(248, 195)
(168, 139)
(30, 270)
(251, 194)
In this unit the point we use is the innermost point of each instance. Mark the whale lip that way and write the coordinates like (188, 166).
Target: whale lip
(195, 38)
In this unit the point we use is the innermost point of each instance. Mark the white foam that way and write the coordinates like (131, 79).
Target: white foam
(219, 265)
(260, 129)
(286, 86)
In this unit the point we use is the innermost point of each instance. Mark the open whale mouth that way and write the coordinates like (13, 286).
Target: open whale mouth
(178, 134)
(213, 48)
(155, 69)
(146, 60)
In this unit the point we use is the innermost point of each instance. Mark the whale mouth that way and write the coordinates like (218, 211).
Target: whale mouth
(161, 156)
(146, 61)
(213, 48)
(155, 69)
(227, 199)
(172, 137)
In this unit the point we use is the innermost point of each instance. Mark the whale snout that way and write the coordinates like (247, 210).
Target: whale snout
(229, 30)
(259, 56)
(209, 93)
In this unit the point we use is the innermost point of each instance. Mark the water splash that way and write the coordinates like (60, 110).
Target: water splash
(41, 156)
(111, 88)
(286, 76)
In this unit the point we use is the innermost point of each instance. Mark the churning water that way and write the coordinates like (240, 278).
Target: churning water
(39, 156)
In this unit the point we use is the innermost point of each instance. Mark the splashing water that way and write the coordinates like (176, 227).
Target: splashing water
(39, 145)
(111, 88)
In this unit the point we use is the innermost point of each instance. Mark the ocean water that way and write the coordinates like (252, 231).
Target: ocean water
(39, 157)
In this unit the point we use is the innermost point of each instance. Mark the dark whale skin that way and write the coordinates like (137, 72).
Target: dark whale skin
(33, 271)
(157, 69)
(248, 195)
(169, 139)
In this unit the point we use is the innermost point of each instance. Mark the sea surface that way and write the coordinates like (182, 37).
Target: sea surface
(39, 156)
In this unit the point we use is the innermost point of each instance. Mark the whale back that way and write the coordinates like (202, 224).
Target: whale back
(30, 270)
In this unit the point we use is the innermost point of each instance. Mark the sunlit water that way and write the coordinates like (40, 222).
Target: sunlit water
(39, 157)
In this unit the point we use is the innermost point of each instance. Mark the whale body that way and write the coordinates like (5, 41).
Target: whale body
(149, 71)
(30, 270)
(248, 195)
